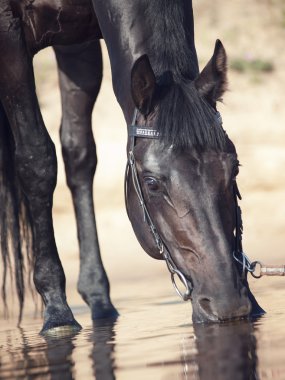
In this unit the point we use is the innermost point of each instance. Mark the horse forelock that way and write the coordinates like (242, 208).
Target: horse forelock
(185, 120)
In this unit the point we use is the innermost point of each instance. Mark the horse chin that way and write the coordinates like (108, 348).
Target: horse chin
(199, 318)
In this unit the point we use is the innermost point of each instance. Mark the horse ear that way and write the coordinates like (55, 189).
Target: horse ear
(143, 85)
(212, 82)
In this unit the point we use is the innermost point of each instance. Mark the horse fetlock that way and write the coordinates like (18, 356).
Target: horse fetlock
(57, 314)
(100, 306)
(93, 290)
(98, 299)
(103, 310)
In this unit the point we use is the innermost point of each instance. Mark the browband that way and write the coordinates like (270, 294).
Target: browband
(150, 133)
(142, 131)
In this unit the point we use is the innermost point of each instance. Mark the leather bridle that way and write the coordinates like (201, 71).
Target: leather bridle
(135, 131)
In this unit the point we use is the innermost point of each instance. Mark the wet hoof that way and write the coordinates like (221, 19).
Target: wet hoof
(61, 331)
(59, 328)
(100, 311)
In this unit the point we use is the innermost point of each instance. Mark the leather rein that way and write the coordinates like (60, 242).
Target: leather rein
(136, 131)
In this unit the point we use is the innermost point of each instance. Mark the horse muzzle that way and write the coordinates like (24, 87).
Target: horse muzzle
(222, 307)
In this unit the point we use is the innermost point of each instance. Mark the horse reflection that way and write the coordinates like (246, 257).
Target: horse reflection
(60, 353)
(223, 352)
(59, 359)
(55, 357)
(103, 349)
(226, 351)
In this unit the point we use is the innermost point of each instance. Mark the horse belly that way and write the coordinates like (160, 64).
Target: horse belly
(64, 22)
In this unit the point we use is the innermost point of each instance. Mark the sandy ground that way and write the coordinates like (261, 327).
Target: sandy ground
(254, 117)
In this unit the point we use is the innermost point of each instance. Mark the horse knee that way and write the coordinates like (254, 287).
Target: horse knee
(80, 159)
(37, 170)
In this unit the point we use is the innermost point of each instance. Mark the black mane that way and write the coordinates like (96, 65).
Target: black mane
(171, 45)
(185, 119)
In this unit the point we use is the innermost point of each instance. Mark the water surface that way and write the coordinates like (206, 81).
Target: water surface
(152, 339)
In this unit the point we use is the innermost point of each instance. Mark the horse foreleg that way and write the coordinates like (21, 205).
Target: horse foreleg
(36, 166)
(80, 75)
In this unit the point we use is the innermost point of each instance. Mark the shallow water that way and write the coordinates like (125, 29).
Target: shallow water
(152, 339)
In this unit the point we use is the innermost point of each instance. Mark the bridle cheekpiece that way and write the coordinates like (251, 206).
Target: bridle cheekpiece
(135, 131)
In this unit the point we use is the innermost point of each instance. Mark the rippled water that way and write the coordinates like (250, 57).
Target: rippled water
(153, 339)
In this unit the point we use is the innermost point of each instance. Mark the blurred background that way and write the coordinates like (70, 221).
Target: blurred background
(253, 33)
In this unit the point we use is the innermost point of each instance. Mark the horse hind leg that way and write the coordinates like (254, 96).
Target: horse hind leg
(80, 75)
(36, 167)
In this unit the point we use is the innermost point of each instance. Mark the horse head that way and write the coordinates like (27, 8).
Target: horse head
(183, 185)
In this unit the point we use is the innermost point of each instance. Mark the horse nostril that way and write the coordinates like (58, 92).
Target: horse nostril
(205, 304)
(222, 309)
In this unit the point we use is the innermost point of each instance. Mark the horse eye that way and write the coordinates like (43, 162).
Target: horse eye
(151, 183)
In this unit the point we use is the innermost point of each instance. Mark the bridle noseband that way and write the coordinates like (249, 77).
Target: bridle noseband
(135, 131)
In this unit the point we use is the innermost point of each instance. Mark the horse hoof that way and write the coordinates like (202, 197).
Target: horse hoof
(53, 329)
(104, 313)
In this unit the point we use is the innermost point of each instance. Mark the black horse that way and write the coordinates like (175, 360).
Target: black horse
(181, 177)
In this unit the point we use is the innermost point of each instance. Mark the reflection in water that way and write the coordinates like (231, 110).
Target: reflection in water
(59, 357)
(146, 342)
(101, 338)
(103, 345)
(52, 357)
(34, 356)
(226, 351)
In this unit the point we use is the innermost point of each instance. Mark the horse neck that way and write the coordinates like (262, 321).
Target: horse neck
(133, 28)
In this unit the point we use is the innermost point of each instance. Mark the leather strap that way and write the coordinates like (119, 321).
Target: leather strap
(142, 131)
